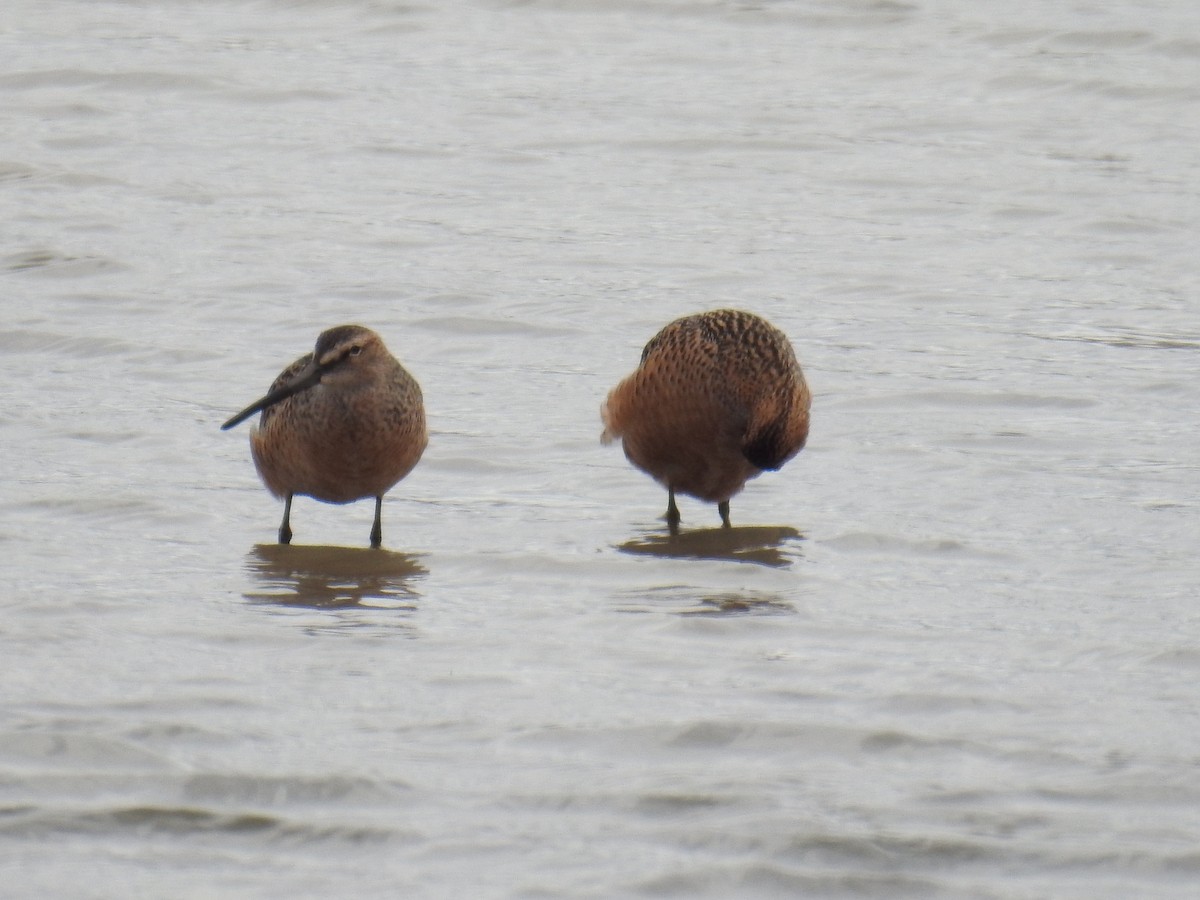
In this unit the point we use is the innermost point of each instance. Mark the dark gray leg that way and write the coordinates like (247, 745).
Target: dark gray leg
(285, 527)
(377, 528)
(723, 509)
(672, 512)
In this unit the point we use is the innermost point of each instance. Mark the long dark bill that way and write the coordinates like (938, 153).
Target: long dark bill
(306, 379)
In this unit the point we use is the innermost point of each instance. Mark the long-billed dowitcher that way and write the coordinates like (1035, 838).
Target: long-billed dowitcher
(340, 424)
(718, 398)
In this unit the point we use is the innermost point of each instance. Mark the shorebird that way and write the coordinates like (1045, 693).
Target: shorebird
(717, 399)
(340, 424)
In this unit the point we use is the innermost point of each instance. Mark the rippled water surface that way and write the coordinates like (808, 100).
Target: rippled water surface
(950, 650)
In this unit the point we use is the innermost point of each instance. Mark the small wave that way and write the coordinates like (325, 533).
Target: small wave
(40, 342)
(489, 326)
(77, 78)
(145, 821)
(260, 790)
(763, 880)
(940, 548)
(60, 265)
(1129, 339)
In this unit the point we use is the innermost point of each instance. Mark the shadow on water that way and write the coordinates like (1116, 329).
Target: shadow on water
(767, 545)
(334, 577)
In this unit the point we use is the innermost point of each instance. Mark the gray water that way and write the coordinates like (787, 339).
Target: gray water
(951, 650)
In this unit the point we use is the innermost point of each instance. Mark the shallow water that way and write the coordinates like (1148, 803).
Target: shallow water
(950, 650)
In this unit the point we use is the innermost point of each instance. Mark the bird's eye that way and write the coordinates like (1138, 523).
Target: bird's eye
(355, 350)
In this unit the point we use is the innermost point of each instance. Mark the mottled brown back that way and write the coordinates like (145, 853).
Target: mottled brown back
(718, 397)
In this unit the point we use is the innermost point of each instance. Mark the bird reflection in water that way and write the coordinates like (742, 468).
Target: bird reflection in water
(334, 577)
(690, 601)
(776, 546)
